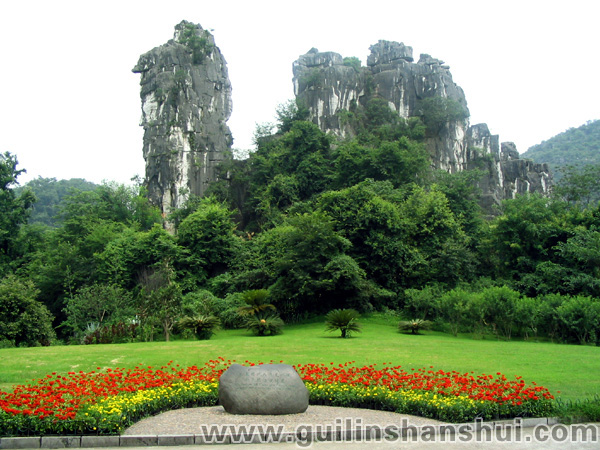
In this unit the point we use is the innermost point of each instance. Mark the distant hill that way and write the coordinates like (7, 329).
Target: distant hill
(576, 146)
(50, 192)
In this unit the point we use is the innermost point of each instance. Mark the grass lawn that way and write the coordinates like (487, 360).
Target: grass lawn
(571, 369)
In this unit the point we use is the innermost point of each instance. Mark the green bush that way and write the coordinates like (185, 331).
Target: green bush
(203, 326)
(344, 320)
(454, 308)
(352, 61)
(23, 320)
(203, 302)
(103, 304)
(499, 309)
(422, 303)
(255, 302)
(414, 326)
(264, 324)
(580, 317)
(436, 112)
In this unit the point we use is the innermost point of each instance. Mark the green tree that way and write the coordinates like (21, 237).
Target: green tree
(101, 304)
(422, 303)
(526, 233)
(432, 228)
(23, 320)
(14, 211)
(208, 236)
(301, 261)
(288, 113)
(203, 326)
(414, 325)
(267, 324)
(132, 252)
(159, 298)
(499, 305)
(352, 61)
(454, 308)
(580, 317)
(579, 185)
(436, 112)
(50, 193)
(369, 215)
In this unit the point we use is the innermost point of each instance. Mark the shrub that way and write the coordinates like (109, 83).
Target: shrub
(497, 309)
(256, 302)
(23, 320)
(227, 311)
(414, 326)
(453, 306)
(203, 326)
(109, 334)
(352, 61)
(198, 303)
(579, 411)
(580, 317)
(528, 313)
(203, 302)
(422, 303)
(103, 304)
(344, 320)
(265, 324)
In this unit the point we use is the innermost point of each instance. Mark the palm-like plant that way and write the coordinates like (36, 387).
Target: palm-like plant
(264, 324)
(344, 320)
(203, 326)
(256, 302)
(414, 326)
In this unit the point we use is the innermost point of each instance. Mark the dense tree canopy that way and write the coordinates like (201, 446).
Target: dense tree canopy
(316, 223)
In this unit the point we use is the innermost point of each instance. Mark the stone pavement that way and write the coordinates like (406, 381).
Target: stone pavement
(529, 434)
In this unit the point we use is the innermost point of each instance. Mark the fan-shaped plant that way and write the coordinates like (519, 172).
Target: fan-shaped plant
(203, 326)
(264, 324)
(256, 302)
(414, 326)
(344, 320)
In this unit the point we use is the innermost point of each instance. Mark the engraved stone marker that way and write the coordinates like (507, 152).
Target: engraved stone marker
(264, 389)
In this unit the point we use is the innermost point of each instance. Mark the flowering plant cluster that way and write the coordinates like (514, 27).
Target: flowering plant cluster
(448, 396)
(106, 402)
(100, 402)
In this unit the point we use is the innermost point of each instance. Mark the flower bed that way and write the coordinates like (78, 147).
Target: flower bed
(106, 402)
(447, 396)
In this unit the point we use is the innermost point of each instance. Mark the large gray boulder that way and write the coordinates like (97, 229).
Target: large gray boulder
(267, 389)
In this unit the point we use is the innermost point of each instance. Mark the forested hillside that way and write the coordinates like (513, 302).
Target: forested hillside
(49, 194)
(305, 225)
(574, 147)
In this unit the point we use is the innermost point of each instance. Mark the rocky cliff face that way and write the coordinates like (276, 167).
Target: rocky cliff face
(186, 102)
(328, 85)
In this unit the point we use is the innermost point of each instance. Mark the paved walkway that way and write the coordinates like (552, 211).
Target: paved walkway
(325, 428)
(547, 438)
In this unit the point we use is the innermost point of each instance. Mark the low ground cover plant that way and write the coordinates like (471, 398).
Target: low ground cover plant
(106, 402)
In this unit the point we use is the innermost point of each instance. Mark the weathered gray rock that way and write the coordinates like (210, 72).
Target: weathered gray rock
(186, 102)
(506, 175)
(330, 87)
(327, 88)
(268, 389)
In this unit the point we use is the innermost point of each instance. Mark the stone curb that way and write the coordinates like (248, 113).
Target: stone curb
(52, 442)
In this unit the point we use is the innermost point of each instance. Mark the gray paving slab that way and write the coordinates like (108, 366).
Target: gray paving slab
(539, 434)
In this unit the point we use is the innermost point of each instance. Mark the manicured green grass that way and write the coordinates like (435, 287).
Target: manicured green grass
(571, 369)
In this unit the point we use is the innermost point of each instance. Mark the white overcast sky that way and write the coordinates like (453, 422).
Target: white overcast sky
(70, 105)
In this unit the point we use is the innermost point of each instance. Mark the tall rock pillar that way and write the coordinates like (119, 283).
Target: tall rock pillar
(186, 102)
